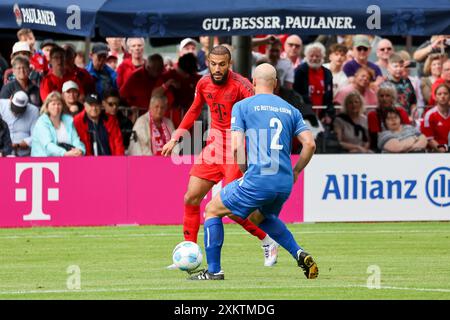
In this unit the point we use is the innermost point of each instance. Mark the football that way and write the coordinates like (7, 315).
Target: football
(187, 256)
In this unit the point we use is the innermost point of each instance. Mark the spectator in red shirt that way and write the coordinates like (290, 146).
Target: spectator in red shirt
(81, 75)
(117, 49)
(37, 59)
(111, 103)
(314, 82)
(436, 123)
(137, 90)
(183, 81)
(56, 77)
(387, 98)
(445, 78)
(135, 60)
(99, 131)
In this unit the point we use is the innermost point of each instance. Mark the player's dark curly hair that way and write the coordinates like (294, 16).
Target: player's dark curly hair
(220, 51)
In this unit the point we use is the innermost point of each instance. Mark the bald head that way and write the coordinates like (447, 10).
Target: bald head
(293, 46)
(265, 77)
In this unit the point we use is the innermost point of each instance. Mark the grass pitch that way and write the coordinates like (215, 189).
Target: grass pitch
(412, 260)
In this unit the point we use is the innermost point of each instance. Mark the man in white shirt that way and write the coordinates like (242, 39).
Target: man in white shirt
(21, 116)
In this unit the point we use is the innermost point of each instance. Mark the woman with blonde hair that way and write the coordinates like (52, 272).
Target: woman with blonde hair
(351, 125)
(54, 133)
(432, 70)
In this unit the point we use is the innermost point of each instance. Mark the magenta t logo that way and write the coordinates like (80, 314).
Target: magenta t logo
(37, 187)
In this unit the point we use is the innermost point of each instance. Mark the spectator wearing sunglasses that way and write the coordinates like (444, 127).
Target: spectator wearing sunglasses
(111, 104)
(361, 51)
(384, 52)
(293, 50)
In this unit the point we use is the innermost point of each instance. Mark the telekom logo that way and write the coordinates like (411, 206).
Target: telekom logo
(37, 188)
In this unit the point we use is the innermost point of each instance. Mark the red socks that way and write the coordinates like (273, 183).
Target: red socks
(249, 226)
(191, 222)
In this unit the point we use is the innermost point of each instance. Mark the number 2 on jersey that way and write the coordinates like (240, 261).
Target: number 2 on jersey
(276, 123)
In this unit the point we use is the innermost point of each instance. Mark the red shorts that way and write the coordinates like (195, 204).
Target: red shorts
(207, 168)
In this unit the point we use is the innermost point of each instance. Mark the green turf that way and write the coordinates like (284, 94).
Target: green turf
(129, 263)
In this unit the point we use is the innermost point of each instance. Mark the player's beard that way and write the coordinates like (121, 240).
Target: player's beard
(221, 81)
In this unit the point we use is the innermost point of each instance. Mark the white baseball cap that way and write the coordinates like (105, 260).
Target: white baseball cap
(20, 46)
(185, 41)
(19, 102)
(70, 85)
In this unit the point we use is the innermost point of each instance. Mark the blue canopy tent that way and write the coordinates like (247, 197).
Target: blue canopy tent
(180, 18)
(72, 17)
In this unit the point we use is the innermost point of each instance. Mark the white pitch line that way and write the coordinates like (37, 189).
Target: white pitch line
(112, 290)
(140, 235)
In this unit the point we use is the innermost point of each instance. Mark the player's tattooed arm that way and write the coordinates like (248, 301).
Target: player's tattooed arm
(238, 149)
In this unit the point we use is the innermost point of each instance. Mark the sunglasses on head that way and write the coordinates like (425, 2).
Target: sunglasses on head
(362, 48)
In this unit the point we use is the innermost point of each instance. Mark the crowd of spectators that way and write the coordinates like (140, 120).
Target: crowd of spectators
(356, 91)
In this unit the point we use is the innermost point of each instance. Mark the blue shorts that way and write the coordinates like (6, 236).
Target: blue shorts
(242, 201)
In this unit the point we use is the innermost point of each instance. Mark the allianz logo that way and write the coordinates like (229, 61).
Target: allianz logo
(363, 187)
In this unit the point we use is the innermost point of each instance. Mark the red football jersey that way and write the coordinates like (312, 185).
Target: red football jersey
(220, 99)
(436, 126)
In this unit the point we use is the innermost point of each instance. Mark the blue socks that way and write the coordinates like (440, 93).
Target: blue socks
(278, 231)
(213, 239)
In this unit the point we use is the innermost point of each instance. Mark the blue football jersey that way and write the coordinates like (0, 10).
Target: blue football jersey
(270, 124)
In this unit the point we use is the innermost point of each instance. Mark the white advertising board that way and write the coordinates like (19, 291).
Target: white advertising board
(384, 187)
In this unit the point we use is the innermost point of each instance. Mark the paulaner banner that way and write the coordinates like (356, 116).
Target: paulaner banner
(388, 187)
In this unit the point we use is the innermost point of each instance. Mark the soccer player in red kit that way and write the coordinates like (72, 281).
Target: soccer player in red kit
(220, 89)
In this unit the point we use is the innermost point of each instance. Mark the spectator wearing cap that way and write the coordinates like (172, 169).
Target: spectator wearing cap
(152, 129)
(117, 49)
(99, 131)
(5, 139)
(105, 78)
(21, 71)
(187, 45)
(54, 134)
(135, 61)
(361, 51)
(37, 60)
(137, 90)
(21, 117)
(21, 48)
(56, 77)
(111, 103)
(314, 82)
(71, 97)
(337, 56)
(72, 71)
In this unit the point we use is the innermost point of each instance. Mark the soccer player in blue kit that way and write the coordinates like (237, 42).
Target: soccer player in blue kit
(264, 125)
